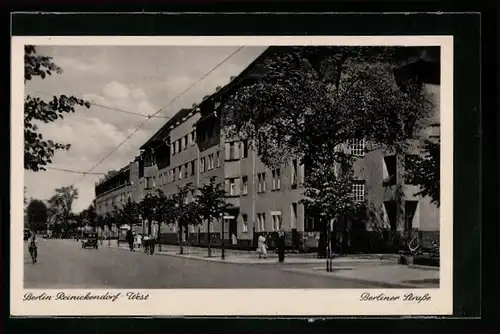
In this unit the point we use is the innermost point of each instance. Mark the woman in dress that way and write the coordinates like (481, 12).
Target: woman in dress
(262, 246)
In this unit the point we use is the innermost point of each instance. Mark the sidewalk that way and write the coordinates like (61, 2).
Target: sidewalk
(388, 275)
(250, 257)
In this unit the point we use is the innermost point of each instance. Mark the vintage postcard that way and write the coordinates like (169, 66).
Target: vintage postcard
(271, 176)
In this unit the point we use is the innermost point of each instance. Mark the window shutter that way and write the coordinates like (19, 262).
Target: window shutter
(237, 150)
(228, 151)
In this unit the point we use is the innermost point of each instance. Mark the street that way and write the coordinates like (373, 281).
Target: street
(63, 264)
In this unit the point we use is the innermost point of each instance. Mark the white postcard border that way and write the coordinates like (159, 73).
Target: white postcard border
(237, 302)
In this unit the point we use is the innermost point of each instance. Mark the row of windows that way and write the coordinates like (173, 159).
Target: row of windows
(236, 150)
(183, 143)
(119, 199)
(276, 222)
(207, 163)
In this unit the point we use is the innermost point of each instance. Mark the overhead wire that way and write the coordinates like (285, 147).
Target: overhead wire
(140, 125)
(109, 108)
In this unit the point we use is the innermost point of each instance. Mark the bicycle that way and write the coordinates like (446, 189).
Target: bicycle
(414, 246)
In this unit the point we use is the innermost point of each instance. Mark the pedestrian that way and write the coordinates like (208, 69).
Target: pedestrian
(138, 242)
(130, 239)
(33, 247)
(145, 242)
(262, 246)
(281, 246)
(151, 244)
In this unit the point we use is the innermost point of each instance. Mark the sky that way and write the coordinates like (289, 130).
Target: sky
(140, 79)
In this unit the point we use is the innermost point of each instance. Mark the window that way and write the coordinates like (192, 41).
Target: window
(293, 221)
(210, 162)
(390, 169)
(202, 165)
(185, 142)
(358, 190)
(262, 222)
(357, 147)
(258, 227)
(245, 223)
(218, 159)
(192, 167)
(310, 224)
(276, 179)
(244, 149)
(294, 171)
(261, 182)
(193, 134)
(245, 185)
(231, 187)
(179, 173)
(161, 179)
(231, 151)
(186, 170)
(276, 221)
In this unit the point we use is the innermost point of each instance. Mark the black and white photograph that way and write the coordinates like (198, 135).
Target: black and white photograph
(164, 167)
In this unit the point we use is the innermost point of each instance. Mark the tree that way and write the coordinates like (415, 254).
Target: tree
(423, 170)
(311, 99)
(61, 205)
(110, 218)
(37, 215)
(38, 152)
(212, 205)
(183, 212)
(146, 208)
(164, 212)
(328, 196)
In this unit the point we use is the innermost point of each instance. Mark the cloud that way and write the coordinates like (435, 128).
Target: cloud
(72, 64)
(116, 90)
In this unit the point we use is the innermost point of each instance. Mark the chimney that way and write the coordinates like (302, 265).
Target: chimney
(231, 78)
(217, 88)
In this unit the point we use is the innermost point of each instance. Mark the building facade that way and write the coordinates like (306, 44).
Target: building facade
(192, 148)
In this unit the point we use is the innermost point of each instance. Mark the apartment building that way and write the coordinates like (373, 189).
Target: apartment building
(115, 189)
(192, 148)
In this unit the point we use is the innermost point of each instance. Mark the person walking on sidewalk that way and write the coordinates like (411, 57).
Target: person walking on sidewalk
(130, 239)
(33, 247)
(262, 246)
(281, 246)
(151, 244)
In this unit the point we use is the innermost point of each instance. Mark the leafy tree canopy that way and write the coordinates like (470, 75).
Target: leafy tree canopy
(312, 99)
(423, 170)
(37, 214)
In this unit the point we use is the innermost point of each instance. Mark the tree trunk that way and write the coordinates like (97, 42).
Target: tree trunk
(209, 238)
(400, 201)
(158, 234)
(180, 239)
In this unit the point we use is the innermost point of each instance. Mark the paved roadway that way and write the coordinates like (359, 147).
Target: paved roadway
(64, 264)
